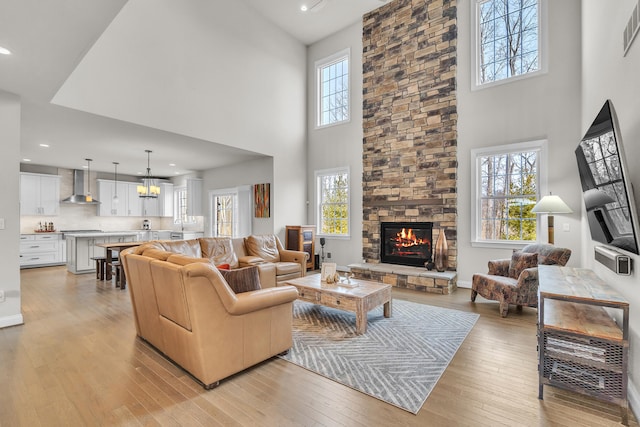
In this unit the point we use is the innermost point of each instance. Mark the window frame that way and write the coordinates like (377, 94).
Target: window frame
(475, 48)
(318, 211)
(178, 218)
(476, 192)
(319, 65)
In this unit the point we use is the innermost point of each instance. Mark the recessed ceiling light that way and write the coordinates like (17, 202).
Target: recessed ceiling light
(177, 173)
(44, 145)
(26, 160)
(172, 164)
(5, 51)
(304, 8)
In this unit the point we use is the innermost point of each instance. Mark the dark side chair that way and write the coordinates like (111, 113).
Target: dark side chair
(515, 280)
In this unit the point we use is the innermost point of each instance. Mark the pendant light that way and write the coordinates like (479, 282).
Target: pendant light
(148, 188)
(115, 194)
(88, 197)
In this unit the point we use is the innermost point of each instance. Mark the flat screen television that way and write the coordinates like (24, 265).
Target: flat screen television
(606, 189)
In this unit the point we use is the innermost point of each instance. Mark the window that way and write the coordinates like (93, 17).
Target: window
(180, 207)
(223, 215)
(507, 39)
(333, 89)
(231, 211)
(507, 183)
(332, 190)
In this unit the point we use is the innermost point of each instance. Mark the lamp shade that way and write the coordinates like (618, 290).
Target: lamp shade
(594, 198)
(551, 204)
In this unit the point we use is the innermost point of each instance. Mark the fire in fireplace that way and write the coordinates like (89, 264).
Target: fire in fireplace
(406, 243)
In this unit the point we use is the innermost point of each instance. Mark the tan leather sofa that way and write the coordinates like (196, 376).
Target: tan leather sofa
(275, 264)
(184, 308)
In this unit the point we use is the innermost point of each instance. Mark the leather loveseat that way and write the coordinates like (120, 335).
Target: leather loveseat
(275, 264)
(184, 307)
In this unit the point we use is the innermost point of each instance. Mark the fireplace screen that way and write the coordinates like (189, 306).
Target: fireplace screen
(406, 243)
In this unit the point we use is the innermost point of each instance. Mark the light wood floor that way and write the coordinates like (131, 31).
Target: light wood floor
(77, 361)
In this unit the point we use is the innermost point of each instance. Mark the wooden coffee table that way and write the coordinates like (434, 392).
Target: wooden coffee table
(359, 297)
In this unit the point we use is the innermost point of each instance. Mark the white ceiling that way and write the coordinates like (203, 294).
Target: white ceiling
(48, 40)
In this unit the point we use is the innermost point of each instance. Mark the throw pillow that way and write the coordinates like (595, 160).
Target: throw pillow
(520, 261)
(242, 279)
(223, 266)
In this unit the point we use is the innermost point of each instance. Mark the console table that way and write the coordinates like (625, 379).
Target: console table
(580, 346)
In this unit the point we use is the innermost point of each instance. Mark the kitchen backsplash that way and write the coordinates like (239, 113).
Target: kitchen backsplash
(83, 217)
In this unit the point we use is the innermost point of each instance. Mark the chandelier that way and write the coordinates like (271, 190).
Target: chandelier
(149, 187)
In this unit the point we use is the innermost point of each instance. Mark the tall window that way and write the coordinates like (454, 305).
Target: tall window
(333, 89)
(507, 186)
(224, 214)
(332, 189)
(180, 210)
(508, 39)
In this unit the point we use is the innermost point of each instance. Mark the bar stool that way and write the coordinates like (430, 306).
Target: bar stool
(101, 265)
(118, 269)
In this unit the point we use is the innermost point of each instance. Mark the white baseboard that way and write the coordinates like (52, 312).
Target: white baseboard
(464, 284)
(14, 320)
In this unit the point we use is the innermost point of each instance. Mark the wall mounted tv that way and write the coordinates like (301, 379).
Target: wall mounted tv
(606, 189)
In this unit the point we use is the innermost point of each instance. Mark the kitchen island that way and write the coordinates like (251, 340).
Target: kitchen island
(81, 248)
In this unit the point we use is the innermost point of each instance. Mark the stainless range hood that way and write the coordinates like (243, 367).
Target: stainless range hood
(78, 197)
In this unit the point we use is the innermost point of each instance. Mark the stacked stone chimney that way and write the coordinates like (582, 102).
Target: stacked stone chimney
(409, 119)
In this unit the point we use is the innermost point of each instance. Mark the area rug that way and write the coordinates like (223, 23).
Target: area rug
(398, 360)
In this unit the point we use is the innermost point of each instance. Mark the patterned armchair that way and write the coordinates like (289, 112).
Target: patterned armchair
(515, 280)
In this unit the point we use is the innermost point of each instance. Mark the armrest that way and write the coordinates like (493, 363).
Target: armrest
(499, 267)
(249, 260)
(287, 255)
(248, 302)
(528, 277)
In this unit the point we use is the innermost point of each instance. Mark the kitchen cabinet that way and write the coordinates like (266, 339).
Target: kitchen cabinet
(580, 346)
(155, 235)
(81, 248)
(194, 197)
(186, 235)
(150, 207)
(39, 194)
(165, 201)
(37, 250)
(106, 191)
(134, 202)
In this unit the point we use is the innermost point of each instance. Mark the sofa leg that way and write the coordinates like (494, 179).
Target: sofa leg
(212, 385)
(504, 309)
(474, 294)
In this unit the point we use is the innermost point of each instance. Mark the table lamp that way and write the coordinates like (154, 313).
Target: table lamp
(551, 205)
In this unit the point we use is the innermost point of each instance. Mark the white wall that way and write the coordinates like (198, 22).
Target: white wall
(218, 71)
(609, 75)
(249, 173)
(10, 313)
(340, 145)
(543, 107)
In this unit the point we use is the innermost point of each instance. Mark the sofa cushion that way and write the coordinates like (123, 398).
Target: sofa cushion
(242, 279)
(185, 247)
(219, 250)
(283, 268)
(265, 247)
(520, 261)
(155, 253)
(184, 260)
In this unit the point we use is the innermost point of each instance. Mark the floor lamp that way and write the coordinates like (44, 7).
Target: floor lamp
(551, 205)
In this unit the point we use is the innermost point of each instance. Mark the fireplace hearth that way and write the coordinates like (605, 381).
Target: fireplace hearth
(406, 243)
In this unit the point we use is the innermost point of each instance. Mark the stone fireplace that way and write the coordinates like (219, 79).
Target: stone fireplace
(406, 243)
(409, 125)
